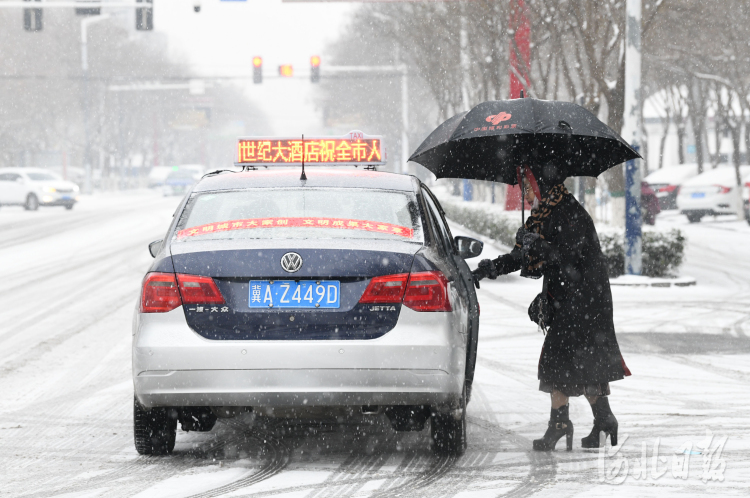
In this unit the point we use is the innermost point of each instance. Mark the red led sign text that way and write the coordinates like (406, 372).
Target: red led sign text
(311, 151)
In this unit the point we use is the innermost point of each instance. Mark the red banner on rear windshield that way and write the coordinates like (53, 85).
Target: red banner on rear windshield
(340, 223)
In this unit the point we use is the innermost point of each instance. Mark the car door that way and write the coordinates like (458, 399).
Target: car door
(466, 287)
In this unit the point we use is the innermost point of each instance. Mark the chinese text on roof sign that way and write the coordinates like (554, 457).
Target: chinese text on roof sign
(353, 148)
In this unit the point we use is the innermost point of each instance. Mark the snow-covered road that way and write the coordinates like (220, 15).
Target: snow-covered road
(70, 281)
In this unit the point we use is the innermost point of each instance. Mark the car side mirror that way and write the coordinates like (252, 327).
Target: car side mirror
(468, 247)
(154, 247)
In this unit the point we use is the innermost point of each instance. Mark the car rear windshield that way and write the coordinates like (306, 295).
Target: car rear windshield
(301, 213)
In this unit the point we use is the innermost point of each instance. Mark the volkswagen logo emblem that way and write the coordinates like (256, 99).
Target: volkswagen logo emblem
(291, 262)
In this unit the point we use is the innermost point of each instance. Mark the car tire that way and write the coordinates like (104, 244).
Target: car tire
(449, 433)
(32, 203)
(69, 206)
(154, 430)
(694, 218)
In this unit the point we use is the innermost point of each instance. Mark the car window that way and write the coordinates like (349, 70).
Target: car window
(6, 177)
(442, 226)
(42, 177)
(301, 213)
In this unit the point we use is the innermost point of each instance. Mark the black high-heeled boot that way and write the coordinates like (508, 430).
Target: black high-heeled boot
(604, 421)
(559, 426)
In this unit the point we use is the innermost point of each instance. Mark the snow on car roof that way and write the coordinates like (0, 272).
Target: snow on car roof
(316, 177)
(723, 175)
(674, 175)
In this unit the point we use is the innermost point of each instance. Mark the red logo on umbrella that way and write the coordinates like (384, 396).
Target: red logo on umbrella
(498, 118)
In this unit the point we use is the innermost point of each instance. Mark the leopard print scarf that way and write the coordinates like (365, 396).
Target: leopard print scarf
(538, 217)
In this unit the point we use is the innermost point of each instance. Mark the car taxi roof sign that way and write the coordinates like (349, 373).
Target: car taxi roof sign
(354, 148)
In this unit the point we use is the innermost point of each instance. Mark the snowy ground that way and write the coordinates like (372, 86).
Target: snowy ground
(70, 281)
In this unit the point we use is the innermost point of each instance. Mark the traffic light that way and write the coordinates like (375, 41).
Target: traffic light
(257, 70)
(314, 69)
(144, 16)
(286, 71)
(32, 18)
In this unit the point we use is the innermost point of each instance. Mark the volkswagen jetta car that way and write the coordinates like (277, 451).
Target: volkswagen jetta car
(344, 291)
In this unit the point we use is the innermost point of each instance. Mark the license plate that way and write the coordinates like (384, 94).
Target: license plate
(66, 197)
(698, 195)
(291, 294)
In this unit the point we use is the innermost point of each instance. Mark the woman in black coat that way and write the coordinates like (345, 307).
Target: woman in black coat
(580, 355)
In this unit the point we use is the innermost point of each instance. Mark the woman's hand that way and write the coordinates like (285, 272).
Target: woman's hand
(486, 269)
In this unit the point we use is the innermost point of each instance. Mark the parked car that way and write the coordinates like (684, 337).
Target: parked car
(179, 182)
(34, 187)
(649, 204)
(345, 292)
(159, 174)
(746, 201)
(666, 182)
(712, 193)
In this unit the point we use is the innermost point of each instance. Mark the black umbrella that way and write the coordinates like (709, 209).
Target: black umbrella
(491, 140)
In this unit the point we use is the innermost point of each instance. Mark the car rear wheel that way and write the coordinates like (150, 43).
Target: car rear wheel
(694, 218)
(449, 431)
(32, 203)
(154, 430)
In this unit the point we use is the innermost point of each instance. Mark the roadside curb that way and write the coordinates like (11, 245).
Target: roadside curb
(641, 281)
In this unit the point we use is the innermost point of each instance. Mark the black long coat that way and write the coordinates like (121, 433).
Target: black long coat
(580, 346)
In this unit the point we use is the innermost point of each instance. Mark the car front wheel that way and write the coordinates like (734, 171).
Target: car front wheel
(154, 430)
(32, 203)
(448, 431)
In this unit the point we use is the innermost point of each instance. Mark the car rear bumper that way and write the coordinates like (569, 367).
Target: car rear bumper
(297, 387)
(420, 361)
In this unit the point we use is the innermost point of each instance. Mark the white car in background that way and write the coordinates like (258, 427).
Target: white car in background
(34, 187)
(712, 193)
(666, 182)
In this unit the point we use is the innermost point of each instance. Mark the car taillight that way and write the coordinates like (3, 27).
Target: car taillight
(163, 292)
(423, 291)
(722, 189)
(199, 290)
(668, 188)
(388, 289)
(427, 291)
(160, 293)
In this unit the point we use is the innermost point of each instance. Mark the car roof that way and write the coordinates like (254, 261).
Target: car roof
(316, 177)
(723, 175)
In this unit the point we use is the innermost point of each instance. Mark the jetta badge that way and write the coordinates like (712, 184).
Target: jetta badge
(291, 262)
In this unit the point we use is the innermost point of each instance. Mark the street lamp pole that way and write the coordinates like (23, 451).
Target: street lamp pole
(86, 97)
(632, 134)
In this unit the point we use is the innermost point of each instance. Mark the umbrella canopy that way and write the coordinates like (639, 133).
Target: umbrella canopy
(491, 140)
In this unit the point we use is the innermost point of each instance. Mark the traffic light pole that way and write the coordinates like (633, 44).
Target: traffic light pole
(86, 96)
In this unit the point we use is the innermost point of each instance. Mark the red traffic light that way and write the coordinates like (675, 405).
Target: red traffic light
(286, 71)
(257, 70)
(315, 61)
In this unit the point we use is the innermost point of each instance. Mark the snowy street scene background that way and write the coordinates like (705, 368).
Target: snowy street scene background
(130, 109)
